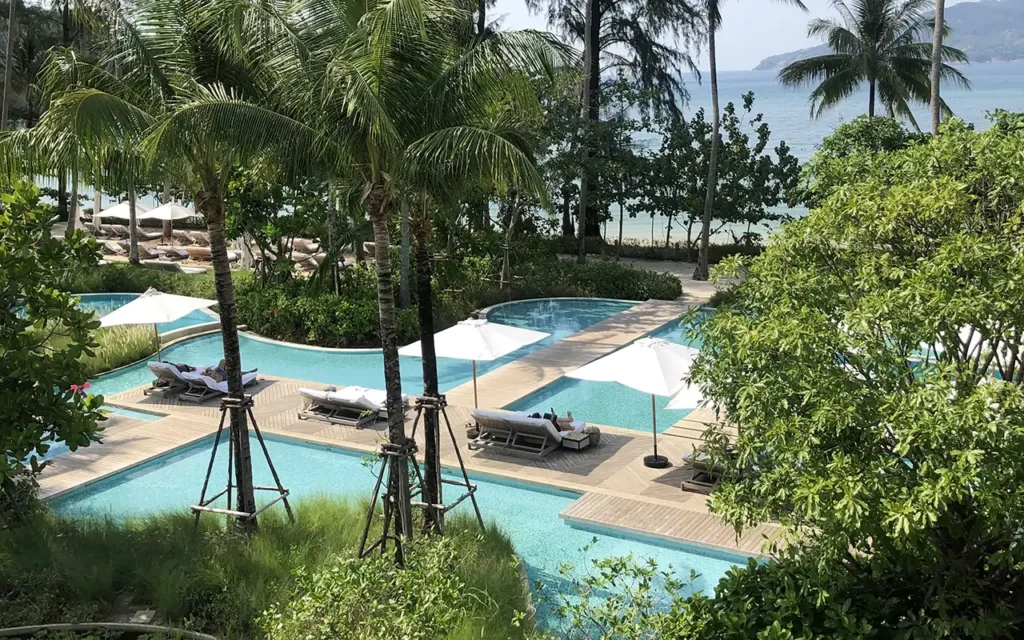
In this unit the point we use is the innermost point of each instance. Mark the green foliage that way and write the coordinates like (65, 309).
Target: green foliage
(425, 599)
(118, 346)
(871, 363)
(44, 338)
(834, 164)
(751, 180)
(57, 569)
(122, 278)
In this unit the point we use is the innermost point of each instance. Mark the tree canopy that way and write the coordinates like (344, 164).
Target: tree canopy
(872, 366)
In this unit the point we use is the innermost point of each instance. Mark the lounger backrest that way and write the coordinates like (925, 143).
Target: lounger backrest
(165, 371)
(522, 424)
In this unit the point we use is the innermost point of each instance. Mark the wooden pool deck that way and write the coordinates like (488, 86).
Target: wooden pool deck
(617, 491)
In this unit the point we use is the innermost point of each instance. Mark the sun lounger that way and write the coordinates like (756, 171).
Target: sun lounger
(145, 253)
(182, 236)
(168, 379)
(200, 238)
(515, 433)
(700, 473)
(172, 253)
(171, 267)
(112, 248)
(202, 387)
(150, 235)
(306, 245)
(108, 230)
(352, 406)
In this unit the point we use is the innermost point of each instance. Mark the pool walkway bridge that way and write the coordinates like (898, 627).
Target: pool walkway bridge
(617, 491)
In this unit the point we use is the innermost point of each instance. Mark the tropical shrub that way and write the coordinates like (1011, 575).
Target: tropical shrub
(871, 362)
(42, 403)
(55, 569)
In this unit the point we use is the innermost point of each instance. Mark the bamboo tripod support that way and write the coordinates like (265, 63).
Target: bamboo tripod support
(392, 454)
(238, 404)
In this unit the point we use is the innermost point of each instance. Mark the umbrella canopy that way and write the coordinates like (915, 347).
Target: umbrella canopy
(689, 396)
(477, 340)
(169, 211)
(154, 307)
(651, 365)
(120, 210)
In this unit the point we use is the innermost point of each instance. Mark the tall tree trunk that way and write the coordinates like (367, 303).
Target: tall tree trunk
(936, 102)
(65, 23)
(133, 226)
(701, 272)
(668, 233)
(398, 481)
(62, 195)
(591, 78)
(481, 18)
(618, 247)
(97, 205)
(405, 277)
(73, 209)
(567, 227)
(8, 66)
(211, 205)
(333, 252)
(871, 99)
(432, 494)
(168, 225)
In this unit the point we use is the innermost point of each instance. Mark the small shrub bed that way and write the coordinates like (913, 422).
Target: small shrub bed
(288, 581)
(645, 250)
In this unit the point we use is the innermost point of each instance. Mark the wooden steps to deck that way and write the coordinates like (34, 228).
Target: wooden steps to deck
(666, 522)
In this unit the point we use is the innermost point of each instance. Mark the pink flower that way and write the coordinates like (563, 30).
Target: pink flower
(75, 388)
(85, 385)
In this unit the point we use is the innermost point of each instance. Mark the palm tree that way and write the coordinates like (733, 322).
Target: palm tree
(8, 62)
(936, 76)
(878, 42)
(189, 106)
(713, 17)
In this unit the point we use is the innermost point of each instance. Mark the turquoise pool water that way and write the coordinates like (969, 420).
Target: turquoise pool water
(104, 303)
(528, 515)
(560, 318)
(608, 403)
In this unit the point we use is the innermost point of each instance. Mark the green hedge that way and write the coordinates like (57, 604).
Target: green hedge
(292, 312)
(644, 250)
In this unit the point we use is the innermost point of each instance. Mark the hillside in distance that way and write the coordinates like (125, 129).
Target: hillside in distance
(988, 31)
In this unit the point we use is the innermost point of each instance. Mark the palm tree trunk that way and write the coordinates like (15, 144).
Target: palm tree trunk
(133, 226)
(212, 207)
(701, 272)
(168, 225)
(398, 482)
(62, 195)
(97, 205)
(73, 208)
(618, 247)
(481, 17)
(591, 77)
(432, 520)
(405, 278)
(8, 67)
(940, 24)
(871, 99)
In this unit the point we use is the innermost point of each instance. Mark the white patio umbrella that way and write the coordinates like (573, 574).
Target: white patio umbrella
(168, 212)
(689, 396)
(650, 365)
(477, 339)
(120, 210)
(154, 307)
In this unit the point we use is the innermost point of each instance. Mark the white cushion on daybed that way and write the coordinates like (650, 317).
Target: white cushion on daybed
(195, 376)
(519, 418)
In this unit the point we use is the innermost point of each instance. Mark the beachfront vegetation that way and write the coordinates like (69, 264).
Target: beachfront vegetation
(871, 362)
(288, 577)
(881, 43)
(39, 374)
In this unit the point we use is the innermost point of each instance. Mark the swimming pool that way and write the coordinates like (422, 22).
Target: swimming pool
(365, 367)
(527, 514)
(103, 303)
(609, 403)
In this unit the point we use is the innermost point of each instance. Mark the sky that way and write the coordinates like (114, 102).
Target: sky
(751, 29)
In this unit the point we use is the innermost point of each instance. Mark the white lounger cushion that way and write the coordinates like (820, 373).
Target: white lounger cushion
(519, 419)
(195, 376)
(354, 396)
(165, 370)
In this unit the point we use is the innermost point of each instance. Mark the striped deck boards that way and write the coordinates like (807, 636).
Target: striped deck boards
(668, 522)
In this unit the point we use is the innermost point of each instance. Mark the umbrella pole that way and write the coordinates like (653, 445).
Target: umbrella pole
(655, 461)
(156, 332)
(476, 402)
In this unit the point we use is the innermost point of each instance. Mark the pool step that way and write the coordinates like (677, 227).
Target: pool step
(660, 520)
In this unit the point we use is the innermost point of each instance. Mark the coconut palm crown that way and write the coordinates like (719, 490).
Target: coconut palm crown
(879, 42)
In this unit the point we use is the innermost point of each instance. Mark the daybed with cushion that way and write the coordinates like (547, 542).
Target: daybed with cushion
(168, 379)
(515, 433)
(202, 387)
(350, 406)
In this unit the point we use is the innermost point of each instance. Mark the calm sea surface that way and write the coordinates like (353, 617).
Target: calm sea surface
(787, 112)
